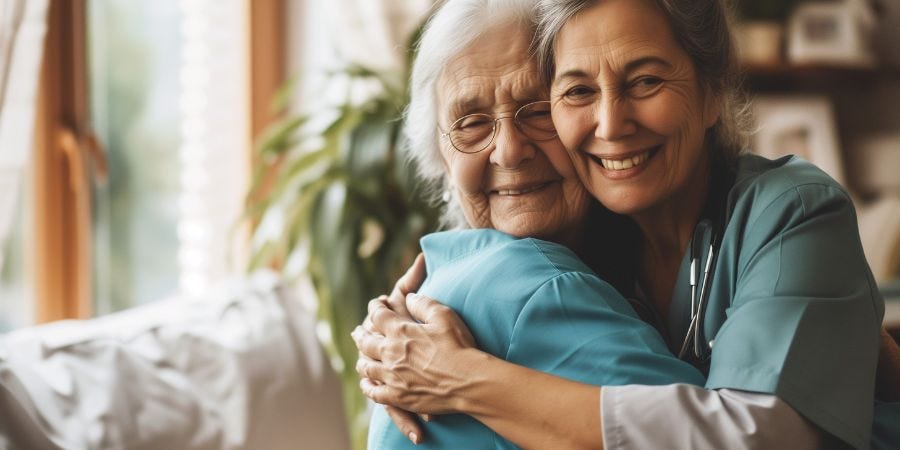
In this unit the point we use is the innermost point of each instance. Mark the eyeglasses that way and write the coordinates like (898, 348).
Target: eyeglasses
(475, 132)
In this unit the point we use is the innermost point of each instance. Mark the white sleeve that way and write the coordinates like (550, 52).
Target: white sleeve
(681, 416)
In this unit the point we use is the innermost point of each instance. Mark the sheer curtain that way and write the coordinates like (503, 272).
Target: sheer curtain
(374, 32)
(22, 28)
(323, 35)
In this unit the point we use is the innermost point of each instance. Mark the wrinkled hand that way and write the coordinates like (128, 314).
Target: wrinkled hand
(408, 283)
(414, 366)
(407, 349)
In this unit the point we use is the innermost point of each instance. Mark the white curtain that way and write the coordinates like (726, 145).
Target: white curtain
(374, 32)
(323, 35)
(23, 24)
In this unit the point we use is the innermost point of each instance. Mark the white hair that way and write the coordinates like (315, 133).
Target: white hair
(449, 31)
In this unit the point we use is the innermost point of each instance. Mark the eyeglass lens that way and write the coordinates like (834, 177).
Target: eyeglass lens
(475, 132)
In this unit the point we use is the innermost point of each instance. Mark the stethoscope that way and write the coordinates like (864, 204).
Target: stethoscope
(703, 232)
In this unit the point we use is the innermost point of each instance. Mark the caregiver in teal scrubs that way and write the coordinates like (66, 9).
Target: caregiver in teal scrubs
(644, 98)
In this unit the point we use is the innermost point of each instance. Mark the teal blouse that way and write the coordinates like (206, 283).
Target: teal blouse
(533, 303)
(794, 310)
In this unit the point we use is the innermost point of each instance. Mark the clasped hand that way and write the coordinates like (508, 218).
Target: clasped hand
(410, 353)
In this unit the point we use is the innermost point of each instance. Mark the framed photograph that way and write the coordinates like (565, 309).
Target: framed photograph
(836, 32)
(799, 125)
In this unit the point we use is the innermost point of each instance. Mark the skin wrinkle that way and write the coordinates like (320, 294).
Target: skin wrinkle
(681, 83)
(602, 110)
(535, 412)
(491, 77)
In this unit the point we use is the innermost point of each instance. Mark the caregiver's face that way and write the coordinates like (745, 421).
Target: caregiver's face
(518, 185)
(627, 104)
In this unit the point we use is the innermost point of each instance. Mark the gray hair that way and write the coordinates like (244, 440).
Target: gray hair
(452, 28)
(702, 29)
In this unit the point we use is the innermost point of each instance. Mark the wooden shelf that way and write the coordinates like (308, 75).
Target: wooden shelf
(891, 293)
(786, 77)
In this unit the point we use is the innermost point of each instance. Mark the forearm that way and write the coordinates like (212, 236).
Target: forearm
(528, 407)
(537, 410)
(681, 416)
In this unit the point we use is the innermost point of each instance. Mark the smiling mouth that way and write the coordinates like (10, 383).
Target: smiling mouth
(627, 163)
(521, 191)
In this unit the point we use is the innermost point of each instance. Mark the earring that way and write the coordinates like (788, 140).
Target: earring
(446, 195)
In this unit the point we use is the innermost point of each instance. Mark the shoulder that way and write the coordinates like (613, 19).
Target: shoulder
(765, 178)
(454, 244)
(496, 248)
(789, 184)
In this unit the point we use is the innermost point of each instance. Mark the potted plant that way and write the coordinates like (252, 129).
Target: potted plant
(344, 208)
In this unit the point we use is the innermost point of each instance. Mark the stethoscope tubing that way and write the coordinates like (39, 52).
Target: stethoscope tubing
(698, 302)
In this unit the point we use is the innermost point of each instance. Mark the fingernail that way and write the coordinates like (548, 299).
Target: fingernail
(414, 438)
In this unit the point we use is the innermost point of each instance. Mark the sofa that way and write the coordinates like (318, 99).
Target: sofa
(240, 368)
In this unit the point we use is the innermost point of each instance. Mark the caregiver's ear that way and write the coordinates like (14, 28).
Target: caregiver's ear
(712, 107)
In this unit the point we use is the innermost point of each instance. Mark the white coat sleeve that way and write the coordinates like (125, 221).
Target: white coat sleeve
(681, 416)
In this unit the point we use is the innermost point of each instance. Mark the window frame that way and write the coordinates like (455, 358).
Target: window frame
(62, 201)
(67, 156)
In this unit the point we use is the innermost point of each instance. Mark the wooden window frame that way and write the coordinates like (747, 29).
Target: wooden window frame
(66, 151)
(267, 54)
(266, 60)
(61, 184)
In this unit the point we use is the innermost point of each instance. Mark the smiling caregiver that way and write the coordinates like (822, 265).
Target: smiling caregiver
(785, 322)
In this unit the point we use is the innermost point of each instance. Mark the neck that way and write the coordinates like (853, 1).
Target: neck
(666, 232)
(572, 237)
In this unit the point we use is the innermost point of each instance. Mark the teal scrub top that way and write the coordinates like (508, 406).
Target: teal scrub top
(533, 303)
(793, 309)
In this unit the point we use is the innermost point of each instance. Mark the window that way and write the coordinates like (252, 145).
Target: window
(134, 53)
(168, 93)
(15, 278)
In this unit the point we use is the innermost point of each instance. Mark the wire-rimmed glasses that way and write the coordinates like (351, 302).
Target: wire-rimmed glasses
(475, 132)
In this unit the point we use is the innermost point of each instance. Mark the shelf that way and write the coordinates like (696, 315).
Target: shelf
(892, 314)
(891, 293)
(786, 77)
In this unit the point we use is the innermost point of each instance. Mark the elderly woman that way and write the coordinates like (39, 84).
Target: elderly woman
(751, 269)
(528, 301)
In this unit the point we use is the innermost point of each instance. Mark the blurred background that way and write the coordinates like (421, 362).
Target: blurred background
(149, 149)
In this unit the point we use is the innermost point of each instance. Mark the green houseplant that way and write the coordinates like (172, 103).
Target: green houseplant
(344, 204)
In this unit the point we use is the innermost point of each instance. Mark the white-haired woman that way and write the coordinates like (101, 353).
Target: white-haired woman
(751, 269)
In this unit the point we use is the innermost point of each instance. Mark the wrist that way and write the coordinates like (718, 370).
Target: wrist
(532, 409)
(479, 377)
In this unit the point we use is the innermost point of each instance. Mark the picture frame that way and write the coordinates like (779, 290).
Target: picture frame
(801, 125)
(832, 33)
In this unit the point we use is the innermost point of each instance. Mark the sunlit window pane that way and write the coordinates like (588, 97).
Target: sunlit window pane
(133, 56)
(16, 294)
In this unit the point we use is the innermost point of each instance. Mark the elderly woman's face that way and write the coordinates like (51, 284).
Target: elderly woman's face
(627, 104)
(517, 185)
